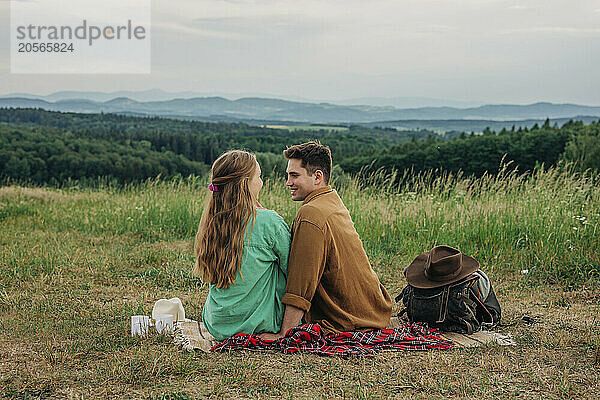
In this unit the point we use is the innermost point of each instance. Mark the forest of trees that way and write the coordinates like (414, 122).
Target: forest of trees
(202, 141)
(45, 147)
(474, 154)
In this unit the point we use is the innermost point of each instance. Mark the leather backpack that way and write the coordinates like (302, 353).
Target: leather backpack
(456, 307)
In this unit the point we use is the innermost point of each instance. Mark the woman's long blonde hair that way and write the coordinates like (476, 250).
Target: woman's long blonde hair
(220, 238)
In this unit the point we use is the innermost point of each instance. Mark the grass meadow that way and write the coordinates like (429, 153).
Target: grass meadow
(330, 128)
(76, 263)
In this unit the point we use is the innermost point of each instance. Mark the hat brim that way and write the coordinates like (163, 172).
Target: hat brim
(415, 272)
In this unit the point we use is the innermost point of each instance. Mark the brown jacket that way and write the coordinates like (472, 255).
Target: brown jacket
(329, 275)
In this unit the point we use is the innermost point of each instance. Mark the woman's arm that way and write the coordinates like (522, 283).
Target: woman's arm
(281, 243)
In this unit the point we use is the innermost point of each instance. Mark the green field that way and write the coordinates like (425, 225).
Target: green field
(76, 263)
(309, 128)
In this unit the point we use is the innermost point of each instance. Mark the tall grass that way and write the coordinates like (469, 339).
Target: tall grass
(544, 223)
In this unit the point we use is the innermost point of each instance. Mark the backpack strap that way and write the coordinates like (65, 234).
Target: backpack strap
(488, 307)
(398, 299)
(483, 313)
(468, 325)
(444, 305)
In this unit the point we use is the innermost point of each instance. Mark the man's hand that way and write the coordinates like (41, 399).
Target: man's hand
(270, 336)
(291, 318)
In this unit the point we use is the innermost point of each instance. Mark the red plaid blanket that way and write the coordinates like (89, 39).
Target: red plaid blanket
(310, 338)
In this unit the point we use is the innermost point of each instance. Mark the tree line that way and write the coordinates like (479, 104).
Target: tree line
(478, 154)
(49, 156)
(203, 141)
(46, 147)
(474, 154)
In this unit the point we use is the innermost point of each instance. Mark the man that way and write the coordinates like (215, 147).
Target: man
(330, 280)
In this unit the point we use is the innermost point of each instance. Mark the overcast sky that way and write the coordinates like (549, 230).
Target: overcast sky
(493, 51)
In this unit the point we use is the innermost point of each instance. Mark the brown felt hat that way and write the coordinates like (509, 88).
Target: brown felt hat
(440, 266)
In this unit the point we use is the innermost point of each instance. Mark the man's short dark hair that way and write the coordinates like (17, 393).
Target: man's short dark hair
(314, 156)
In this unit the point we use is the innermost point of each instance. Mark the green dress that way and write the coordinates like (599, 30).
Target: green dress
(252, 304)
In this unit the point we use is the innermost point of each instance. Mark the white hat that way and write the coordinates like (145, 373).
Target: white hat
(172, 306)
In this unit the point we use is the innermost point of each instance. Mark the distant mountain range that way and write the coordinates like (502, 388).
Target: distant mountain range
(271, 109)
(407, 102)
(472, 125)
(161, 95)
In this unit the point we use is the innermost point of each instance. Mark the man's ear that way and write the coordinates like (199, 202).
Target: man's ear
(318, 177)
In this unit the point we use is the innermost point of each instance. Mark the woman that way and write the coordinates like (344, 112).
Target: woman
(241, 251)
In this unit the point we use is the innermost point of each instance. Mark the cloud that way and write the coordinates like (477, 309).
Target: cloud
(195, 32)
(434, 28)
(243, 20)
(520, 7)
(553, 30)
(255, 24)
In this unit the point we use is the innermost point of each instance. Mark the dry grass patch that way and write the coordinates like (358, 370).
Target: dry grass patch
(34, 193)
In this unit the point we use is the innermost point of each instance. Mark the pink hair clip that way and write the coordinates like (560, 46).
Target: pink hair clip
(213, 188)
